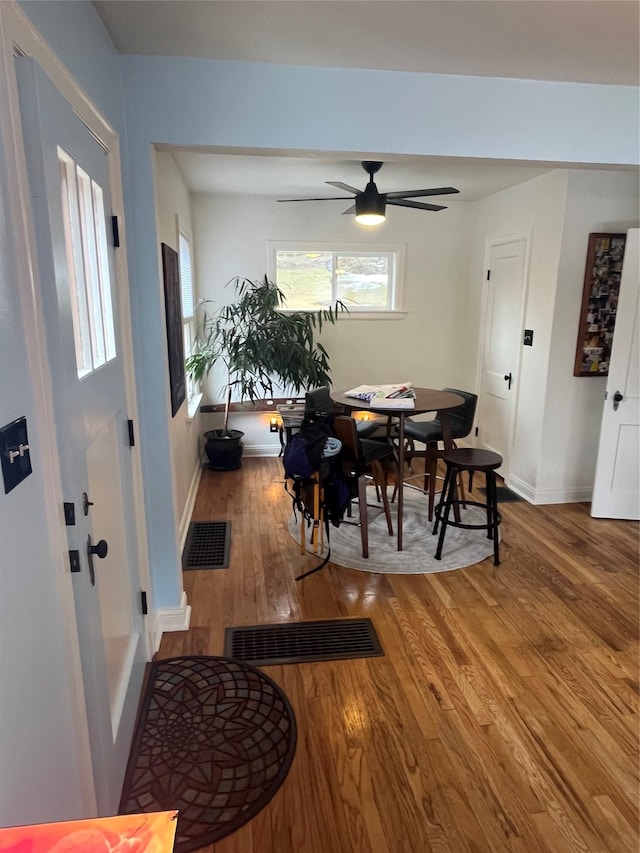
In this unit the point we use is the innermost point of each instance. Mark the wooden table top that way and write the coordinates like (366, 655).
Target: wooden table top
(427, 400)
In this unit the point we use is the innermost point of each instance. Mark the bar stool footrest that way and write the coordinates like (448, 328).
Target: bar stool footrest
(438, 514)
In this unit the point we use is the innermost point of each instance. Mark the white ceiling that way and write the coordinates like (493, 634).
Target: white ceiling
(587, 41)
(292, 177)
(590, 41)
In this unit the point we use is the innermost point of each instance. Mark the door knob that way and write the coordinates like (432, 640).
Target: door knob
(508, 379)
(617, 399)
(100, 550)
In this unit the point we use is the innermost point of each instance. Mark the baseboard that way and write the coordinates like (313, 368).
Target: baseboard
(172, 619)
(188, 507)
(261, 450)
(549, 496)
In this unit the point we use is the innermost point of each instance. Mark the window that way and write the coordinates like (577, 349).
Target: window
(88, 266)
(313, 276)
(188, 309)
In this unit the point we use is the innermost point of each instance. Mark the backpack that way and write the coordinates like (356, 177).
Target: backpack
(303, 452)
(302, 458)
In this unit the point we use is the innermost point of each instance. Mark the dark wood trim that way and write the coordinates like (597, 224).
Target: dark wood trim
(266, 405)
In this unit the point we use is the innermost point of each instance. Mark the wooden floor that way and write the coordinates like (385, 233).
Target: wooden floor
(503, 716)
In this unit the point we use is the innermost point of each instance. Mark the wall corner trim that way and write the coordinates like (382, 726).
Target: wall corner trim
(173, 619)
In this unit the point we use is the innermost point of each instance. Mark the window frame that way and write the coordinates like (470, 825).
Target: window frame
(370, 312)
(193, 389)
(88, 266)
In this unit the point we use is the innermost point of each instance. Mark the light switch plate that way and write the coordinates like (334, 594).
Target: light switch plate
(14, 453)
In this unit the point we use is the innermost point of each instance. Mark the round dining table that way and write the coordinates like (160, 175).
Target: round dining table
(426, 400)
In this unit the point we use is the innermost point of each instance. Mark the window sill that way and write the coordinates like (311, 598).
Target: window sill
(373, 315)
(192, 407)
(364, 315)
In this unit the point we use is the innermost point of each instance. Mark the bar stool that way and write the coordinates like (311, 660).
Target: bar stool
(469, 459)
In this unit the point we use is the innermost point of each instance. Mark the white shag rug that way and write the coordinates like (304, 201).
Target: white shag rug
(461, 547)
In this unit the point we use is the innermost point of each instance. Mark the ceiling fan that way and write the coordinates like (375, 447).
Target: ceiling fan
(370, 204)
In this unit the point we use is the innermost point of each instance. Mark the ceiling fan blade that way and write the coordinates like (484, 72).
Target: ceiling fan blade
(352, 209)
(402, 202)
(417, 193)
(326, 198)
(344, 187)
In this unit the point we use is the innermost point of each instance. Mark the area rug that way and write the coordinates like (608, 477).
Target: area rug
(215, 740)
(461, 547)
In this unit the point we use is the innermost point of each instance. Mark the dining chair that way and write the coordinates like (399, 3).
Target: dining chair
(319, 400)
(430, 434)
(363, 460)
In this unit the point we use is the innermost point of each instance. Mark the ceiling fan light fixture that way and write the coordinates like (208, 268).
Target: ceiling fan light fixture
(370, 209)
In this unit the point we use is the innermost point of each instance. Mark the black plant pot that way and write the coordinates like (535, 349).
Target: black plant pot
(224, 450)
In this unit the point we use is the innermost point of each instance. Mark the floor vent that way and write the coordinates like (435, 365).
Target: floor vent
(207, 545)
(293, 642)
(504, 495)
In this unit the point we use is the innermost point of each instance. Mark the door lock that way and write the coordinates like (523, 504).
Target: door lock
(617, 399)
(508, 378)
(86, 503)
(100, 550)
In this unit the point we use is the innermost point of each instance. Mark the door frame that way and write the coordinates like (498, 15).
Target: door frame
(19, 37)
(491, 242)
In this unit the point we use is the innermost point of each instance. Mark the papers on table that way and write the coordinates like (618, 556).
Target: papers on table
(397, 396)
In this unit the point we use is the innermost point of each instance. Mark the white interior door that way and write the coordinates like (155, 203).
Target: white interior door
(69, 182)
(502, 331)
(616, 491)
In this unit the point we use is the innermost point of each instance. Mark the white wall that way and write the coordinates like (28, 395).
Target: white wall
(596, 201)
(537, 206)
(558, 415)
(173, 199)
(422, 344)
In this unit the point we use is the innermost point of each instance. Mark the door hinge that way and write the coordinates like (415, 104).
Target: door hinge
(143, 602)
(477, 432)
(116, 231)
(132, 435)
(488, 275)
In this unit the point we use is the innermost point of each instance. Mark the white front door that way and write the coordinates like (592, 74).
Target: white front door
(500, 354)
(70, 190)
(616, 491)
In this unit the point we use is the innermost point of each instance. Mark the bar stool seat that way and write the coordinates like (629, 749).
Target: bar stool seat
(469, 459)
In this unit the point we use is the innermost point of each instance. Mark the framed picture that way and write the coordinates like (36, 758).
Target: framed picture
(173, 315)
(605, 253)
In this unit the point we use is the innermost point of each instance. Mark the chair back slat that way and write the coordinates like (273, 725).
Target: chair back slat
(344, 429)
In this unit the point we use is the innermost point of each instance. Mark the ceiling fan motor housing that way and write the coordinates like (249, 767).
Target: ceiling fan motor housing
(370, 201)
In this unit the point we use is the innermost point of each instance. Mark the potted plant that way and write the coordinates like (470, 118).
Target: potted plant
(259, 343)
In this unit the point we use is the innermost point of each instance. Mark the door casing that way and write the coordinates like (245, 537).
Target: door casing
(518, 325)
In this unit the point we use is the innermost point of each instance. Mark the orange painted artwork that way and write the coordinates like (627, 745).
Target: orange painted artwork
(132, 833)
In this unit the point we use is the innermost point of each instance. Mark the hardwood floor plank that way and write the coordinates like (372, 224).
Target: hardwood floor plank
(503, 716)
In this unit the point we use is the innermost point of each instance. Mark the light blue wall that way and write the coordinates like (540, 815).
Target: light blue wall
(76, 34)
(40, 742)
(194, 101)
(39, 758)
(198, 101)
(203, 102)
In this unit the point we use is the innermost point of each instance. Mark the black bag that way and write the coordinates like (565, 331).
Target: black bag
(303, 453)
(302, 458)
